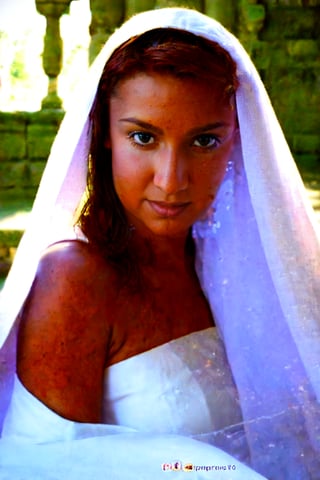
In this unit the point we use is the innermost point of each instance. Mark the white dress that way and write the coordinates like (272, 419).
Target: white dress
(153, 403)
(258, 262)
(184, 387)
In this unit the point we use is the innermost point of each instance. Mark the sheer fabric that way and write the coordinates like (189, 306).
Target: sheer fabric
(181, 387)
(185, 387)
(258, 259)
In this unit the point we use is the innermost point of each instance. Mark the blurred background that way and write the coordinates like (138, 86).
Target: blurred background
(47, 45)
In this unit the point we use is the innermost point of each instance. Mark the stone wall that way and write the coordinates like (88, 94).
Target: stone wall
(25, 143)
(285, 47)
(282, 37)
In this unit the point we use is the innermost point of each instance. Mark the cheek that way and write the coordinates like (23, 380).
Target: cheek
(129, 173)
(210, 175)
(121, 170)
(123, 163)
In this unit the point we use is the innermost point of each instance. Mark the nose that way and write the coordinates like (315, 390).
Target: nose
(171, 171)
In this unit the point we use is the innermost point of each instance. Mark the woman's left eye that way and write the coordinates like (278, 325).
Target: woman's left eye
(206, 141)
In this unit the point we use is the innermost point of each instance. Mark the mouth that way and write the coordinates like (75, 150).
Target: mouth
(168, 209)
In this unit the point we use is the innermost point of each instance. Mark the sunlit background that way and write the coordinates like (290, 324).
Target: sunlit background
(23, 83)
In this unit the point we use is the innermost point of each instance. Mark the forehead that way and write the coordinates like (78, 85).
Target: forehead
(167, 95)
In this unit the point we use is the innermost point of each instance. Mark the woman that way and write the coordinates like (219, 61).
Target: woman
(173, 145)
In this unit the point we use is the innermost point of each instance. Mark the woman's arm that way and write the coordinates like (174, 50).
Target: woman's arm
(65, 331)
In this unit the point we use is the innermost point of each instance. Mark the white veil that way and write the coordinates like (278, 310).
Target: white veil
(258, 259)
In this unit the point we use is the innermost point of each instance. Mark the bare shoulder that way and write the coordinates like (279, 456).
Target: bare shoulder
(71, 276)
(76, 261)
(65, 330)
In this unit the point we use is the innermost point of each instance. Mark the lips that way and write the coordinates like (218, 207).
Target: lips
(168, 209)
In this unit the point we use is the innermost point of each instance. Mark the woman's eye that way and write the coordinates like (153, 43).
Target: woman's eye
(206, 141)
(142, 138)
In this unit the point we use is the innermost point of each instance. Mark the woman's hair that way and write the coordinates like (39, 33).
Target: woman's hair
(164, 50)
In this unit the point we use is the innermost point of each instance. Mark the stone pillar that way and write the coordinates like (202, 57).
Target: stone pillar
(106, 15)
(135, 6)
(222, 10)
(252, 19)
(52, 53)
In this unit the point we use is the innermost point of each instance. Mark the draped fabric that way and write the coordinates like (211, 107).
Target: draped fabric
(258, 259)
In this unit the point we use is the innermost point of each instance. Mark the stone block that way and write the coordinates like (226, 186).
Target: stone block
(253, 16)
(306, 143)
(294, 116)
(289, 22)
(260, 54)
(39, 140)
(14, 174)
(46, 117)
(305, 50)
(12, 146)
(295, 97)
(13, 121)
(41, 130)
(36, 171)
(308, 163)
(13, 138)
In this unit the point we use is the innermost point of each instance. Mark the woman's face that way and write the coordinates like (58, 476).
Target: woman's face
(171, 140)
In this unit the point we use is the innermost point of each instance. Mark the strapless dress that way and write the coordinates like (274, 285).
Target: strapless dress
(173, 406)
(184, 386)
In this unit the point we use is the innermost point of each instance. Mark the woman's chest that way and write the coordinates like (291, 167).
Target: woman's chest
(156, 316)
(184, 386)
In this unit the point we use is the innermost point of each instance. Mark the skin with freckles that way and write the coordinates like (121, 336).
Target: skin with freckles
(171, 140)
(168, 165)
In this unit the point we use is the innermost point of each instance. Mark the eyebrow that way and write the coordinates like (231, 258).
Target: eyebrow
(142, 124)
(193, 131)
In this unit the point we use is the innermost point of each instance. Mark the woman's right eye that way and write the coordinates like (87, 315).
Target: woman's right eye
(141, 138)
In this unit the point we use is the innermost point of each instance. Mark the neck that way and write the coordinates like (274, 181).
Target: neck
(163, 252)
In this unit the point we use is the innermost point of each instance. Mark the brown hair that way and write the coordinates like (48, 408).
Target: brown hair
(169, 51)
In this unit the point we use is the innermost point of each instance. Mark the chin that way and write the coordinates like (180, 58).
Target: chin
(169, 229)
